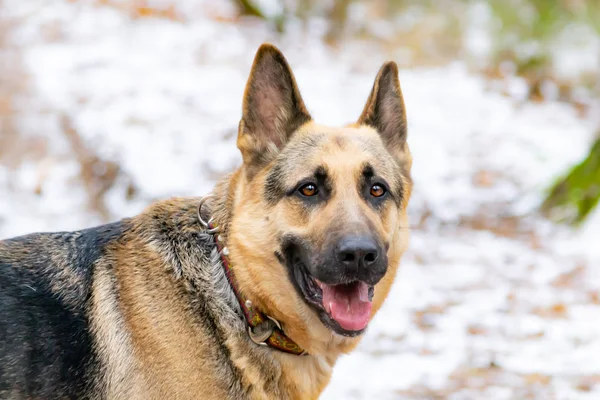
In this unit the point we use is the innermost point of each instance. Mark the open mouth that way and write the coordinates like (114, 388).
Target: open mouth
(345, 307)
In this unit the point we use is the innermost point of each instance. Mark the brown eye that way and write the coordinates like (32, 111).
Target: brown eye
(308, 190)
(377, 190)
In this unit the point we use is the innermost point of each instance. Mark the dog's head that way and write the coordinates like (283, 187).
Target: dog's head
(319, 217)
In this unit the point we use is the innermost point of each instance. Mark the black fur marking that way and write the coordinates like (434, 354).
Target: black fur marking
(320, 178)
(275, 186)
(46, 348)
(369, 177)
(289, 245)
(280, 257)
(293, 156)
(368, 171)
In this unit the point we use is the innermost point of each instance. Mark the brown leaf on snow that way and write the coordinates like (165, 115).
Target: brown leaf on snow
(587, 383)
(484, 178)
(537, 335)
(537, 379)
(569, 278)
(558, 310)
(477, 330)
(594, 296)
(425, 318)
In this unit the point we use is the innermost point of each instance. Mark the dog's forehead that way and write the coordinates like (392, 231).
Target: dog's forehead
(336, 148)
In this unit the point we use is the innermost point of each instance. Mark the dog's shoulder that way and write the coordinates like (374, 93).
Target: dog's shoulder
(173, 230)
(175, 216)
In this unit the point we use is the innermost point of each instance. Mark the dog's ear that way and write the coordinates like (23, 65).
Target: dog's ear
(272, 109)
(385, 110)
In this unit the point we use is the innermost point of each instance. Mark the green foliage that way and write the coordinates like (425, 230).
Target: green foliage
(576, 195)
(249, 8)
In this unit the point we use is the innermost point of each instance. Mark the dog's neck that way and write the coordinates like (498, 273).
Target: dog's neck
(314, 371)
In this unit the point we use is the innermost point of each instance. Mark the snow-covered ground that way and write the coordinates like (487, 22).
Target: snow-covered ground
(492, 302)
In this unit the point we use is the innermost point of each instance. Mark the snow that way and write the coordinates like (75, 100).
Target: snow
(491, 300)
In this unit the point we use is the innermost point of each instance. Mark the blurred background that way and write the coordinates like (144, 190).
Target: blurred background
(108, 105)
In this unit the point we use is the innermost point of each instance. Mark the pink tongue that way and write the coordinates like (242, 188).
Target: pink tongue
(349, 304)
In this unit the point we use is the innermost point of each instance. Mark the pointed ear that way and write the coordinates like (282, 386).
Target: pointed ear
(385, 110)
(272, 110)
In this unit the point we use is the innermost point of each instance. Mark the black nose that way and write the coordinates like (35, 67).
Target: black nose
(358, 252)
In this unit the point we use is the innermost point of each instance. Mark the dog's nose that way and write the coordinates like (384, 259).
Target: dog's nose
(358, 252)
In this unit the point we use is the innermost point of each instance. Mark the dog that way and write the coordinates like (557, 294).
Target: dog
(252, 292)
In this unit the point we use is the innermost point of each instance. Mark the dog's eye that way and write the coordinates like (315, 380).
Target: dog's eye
(308, 190)
(377, 190)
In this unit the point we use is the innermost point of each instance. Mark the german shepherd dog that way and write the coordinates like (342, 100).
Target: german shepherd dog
(252, 293)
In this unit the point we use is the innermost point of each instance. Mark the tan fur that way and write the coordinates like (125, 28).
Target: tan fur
(113, 340)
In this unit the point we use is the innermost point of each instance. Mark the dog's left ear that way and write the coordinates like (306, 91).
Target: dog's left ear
(385, 110)
(272, 110)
